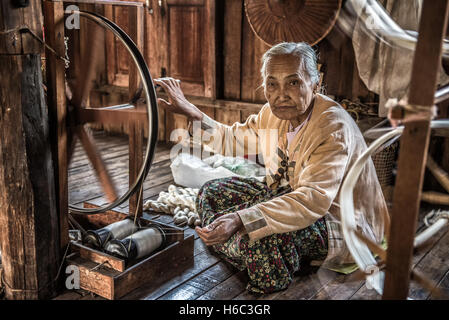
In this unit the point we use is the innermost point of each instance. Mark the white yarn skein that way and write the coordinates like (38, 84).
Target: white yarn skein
(179, 202)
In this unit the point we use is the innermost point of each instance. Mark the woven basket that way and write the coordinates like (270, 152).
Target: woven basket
(384, 162)
(275, 21)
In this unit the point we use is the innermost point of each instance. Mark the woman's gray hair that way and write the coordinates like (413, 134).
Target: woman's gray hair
(307, 56)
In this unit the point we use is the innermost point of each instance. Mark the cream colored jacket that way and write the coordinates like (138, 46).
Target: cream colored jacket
(320, 155)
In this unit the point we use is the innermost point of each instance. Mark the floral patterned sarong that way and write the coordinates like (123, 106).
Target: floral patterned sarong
(270, 261)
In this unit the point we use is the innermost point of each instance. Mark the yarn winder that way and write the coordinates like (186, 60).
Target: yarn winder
(132, 242)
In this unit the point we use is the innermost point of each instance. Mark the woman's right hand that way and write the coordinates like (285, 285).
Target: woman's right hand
(177, 101)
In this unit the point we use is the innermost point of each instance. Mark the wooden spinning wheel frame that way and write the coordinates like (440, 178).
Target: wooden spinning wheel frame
(79, 115)
(363, 248)
(67, 102)
(396, 262)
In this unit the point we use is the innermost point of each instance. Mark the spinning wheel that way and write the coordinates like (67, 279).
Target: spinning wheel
(362, 248)
(390, 277)
(79, 82)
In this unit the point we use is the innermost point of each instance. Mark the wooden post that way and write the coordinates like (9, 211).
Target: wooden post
(111, 62)
(232, 55)
(136, 129)
(29, 231)
(210, 68)
(55, 69)
(156, 50)
(413, 151)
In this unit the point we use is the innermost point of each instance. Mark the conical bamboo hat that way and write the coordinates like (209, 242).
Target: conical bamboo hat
(275, 21)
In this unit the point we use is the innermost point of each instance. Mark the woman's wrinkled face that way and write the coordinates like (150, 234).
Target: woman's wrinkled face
(288, 89)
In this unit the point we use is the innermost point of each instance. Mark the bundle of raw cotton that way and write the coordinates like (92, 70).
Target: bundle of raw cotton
(183, 217)
(179, 202)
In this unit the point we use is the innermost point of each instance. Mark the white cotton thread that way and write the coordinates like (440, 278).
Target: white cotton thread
(179, 202)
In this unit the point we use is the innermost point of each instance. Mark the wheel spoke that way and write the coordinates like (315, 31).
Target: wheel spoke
(87, 141)
(71, 137)
(374, 247)
(88, 70)
(71, 143)
(429, 285)
(439, 174)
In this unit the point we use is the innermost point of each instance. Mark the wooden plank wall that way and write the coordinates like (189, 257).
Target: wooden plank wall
(28, 201)
(217, 55)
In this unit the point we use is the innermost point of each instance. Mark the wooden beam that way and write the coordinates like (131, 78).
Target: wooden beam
(111, 116)
(182, 2)
(103, 2)
(99, 257)
(156, 53)
(232, 48)
(440, 175)
(111, 61)
(57, 109)
(435, 197)
(228, 105)
(16, 37)
(252, 50)
(205, 102)
(29, 231)
(210, 68)
(414, 145)
(136, 129)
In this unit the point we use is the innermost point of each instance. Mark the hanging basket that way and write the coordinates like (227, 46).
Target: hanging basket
(275, 21)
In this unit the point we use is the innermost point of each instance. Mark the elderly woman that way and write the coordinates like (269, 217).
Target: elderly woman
(273, 228)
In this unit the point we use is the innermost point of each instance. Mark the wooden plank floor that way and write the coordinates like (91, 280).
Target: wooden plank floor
(212, 278)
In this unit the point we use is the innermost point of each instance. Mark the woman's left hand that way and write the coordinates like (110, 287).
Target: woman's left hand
(220, 230)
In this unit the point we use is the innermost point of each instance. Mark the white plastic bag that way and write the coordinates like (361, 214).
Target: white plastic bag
(240, 166)
(190, 171)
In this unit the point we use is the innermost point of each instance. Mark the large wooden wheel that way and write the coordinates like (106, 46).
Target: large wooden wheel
(392, 274)
(364, 250)
(80, 112)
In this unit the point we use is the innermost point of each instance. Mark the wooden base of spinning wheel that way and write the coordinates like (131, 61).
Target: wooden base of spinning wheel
(111, 277)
